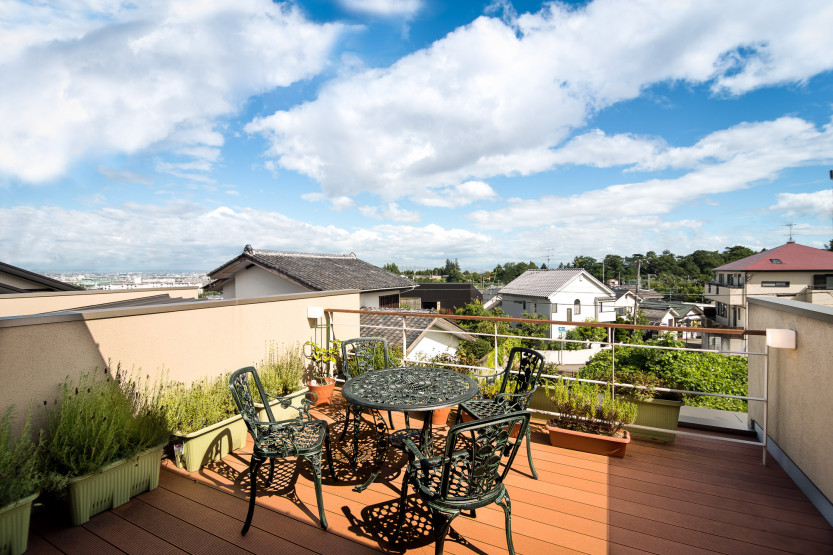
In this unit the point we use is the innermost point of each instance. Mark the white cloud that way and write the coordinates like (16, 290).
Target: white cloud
(494, 99)
(127, 176)
(385, 8)
(819, 203)
(456, 195)
(106, 238)
(102, 77)
(721, 162)
(391, 212)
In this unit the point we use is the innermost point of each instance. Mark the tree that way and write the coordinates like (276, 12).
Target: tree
(730, 254)
(391, 267)
(830, 245)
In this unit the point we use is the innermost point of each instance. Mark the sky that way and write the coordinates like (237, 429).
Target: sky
(167, 135)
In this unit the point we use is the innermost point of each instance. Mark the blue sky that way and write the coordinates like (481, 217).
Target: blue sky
(167, 135)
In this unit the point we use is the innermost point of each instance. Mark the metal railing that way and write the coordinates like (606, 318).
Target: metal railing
(610, 343)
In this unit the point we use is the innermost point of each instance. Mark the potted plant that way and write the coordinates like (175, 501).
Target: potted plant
(322, 384)
(20, 478)
(281, 373)
(588, 420)
(104, 442)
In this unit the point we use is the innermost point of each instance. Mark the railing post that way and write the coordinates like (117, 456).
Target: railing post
(404, 339)
(495, 326)
(611, 336)
(766, 398)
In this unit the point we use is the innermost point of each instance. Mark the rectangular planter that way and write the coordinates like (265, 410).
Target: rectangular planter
(656, 413)
(113, 486)
(589, 443)
(195, 450)
(14, 525)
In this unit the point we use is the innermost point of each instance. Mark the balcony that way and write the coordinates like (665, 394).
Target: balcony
(695, 495)
(731, 295)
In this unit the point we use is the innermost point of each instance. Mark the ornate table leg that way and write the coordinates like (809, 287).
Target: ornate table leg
(381, 449)
(426, 440)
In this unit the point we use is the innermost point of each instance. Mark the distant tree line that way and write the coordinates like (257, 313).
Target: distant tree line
(665, 272)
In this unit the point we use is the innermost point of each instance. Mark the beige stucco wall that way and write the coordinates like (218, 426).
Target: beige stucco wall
(189, 340)
(800, 384)
(18, 304)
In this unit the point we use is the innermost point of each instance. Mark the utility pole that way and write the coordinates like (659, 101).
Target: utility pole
(636, 296)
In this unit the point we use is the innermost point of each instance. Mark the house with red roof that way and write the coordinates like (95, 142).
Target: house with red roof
(792, 271)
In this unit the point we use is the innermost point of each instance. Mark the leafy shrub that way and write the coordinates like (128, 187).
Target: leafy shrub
(20, 473)
(593, 334)
(685, 370)
(100, 420)
(281, 371)
(579, 408)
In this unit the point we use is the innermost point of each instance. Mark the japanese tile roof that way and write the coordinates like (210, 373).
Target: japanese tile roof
(392, 330)
(318, 272)
(543, 283)
(792, 257)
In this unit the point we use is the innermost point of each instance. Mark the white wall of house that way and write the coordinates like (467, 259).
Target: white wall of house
(257, 282)
(370, 300)
(433, 343)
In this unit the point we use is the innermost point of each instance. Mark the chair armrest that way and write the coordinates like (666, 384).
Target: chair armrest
(519, 399)
(306, 402)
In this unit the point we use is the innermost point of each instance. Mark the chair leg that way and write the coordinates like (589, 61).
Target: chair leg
(442, 524)
(402, 501)
(330, 455)
(507, 512)
(529, 453)
(315, 463)
(254, 465)
(407, 421)
(271, 471)
(346, 423)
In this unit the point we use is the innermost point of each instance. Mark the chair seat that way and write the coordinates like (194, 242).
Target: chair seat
(484, 408)
(462, 492)
(290, 439)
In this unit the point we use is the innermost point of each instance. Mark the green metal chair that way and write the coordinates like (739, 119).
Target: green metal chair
(464, 479)
(360, 355)
(301, 437)
(515, 392)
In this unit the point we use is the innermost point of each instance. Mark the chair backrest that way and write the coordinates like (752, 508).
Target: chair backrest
(530, 366)
(363, 354)
(241, 391)
(478, 470)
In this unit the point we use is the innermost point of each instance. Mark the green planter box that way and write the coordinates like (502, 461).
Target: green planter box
(14, 525)
(656, 413)
(113, 486)
(195, 450)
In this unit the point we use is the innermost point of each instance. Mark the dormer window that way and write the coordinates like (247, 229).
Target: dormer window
(775, 260)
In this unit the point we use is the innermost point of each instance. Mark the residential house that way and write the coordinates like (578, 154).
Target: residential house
(625, 301)
(17, 280)
(791, 271)
(445, 297)
(263, 273)
(565, 294)
(425, 337)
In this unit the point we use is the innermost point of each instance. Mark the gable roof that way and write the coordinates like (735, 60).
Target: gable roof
(543, 283)
(371, 326)
(318, 272)
(38, 282)
(792, 257)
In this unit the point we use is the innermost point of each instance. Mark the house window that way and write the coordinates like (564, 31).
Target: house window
(823, 281)
(389, 301)
(740, 279)
(730, 279)
(577, 307)
(720, 279)
(721, 309)
(775, 260)
(775, 284)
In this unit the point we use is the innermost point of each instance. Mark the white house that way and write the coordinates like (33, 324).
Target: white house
(263, 273)
(566, 294)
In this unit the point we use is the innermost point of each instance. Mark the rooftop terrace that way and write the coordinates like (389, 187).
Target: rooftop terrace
(694, 495)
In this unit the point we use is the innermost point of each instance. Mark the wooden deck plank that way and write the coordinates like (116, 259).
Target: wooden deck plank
(128, 537)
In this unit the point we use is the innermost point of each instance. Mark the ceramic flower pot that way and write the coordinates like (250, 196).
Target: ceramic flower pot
(439, 417)
(324, 391)
(589, 443)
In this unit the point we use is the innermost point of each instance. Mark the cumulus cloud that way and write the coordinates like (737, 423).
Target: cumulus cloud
(457, 195)
(724, 161)
(105, 77)
(385, 8)
(138, 237)
(390, 212)
(819, 203)
(496, 98)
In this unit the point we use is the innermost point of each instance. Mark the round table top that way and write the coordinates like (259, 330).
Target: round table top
(409, 388)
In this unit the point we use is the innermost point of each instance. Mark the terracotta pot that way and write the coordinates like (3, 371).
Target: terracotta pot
(439, 417)
(324, 392)
(589, 443)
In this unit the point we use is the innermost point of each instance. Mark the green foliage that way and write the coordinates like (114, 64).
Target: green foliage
(102, 419)
(20, 468)
(391, 267)
(579, 408)
(685, 370)
(281, 371)
(531, 329)
(322, 357)
(592, 334)
(199, 404)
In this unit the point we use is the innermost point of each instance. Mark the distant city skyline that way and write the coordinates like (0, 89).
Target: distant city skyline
(165, 136)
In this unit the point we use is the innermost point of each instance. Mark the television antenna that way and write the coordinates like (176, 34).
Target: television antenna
(791, 231)
(549, 250)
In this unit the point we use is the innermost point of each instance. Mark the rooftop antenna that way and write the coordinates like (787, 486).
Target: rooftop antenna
(549, 250)
(791, 232)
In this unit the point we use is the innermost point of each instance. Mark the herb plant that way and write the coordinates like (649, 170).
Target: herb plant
(580, 408)
(20, 473)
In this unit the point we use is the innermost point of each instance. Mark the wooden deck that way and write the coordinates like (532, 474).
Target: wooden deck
(696, 495)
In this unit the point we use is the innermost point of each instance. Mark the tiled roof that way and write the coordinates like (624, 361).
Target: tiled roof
(319, 272)
(392, 330)
(543, 283)
(792, 257)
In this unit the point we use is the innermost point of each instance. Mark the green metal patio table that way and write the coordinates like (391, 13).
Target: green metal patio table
(405, 389)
